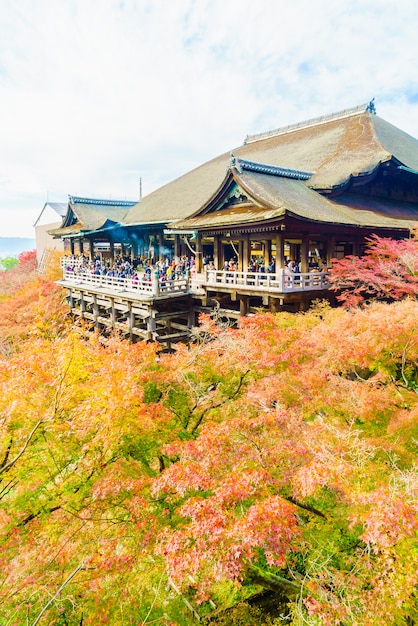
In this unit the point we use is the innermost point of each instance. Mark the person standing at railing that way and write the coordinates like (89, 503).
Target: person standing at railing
(292, 265)
(211, 272)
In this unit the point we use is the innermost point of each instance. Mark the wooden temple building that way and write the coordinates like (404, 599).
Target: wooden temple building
(312, 191)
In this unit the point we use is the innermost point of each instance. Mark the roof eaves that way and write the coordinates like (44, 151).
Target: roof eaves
(344, 184)
(407, 169)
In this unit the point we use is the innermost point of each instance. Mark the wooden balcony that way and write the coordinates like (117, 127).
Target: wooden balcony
(283, 282)
(144, 306)
(250, 283)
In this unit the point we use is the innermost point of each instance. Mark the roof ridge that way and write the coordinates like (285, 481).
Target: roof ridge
(81, 200)
(314, 121)
(264, 168)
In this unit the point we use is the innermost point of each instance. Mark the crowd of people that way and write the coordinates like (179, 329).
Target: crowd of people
(138, 268)
(143, 269)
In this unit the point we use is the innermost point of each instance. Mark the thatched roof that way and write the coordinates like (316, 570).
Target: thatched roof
(334, 148)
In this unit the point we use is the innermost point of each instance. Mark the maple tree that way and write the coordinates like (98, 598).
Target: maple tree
(388, 271)
(139, 487)
(8, 262)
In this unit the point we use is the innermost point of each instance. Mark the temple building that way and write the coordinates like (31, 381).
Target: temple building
(308, 192)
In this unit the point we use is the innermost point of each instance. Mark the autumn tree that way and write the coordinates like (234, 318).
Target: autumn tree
(387, 271)
(139, 487)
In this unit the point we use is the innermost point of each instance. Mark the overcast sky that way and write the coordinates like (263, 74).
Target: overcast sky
(96, 94)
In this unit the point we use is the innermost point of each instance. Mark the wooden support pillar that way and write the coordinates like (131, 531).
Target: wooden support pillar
(81, 245)
(330, 250)
(72, 246)
(274, 304)
(95, 311)
(292, 251)
(91, 248)
(267, 253)
(217, 252)
(131, 320)
(199, 253)
(244, 305)
(113, 312)
(356, 247)
(151, 326)
(246, 253)
(280, 260)
(304, 253)
(240, 264)
(176, 248)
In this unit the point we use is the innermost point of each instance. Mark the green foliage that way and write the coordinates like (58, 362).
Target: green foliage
(8, 263)
(152, 392)
(243, 614)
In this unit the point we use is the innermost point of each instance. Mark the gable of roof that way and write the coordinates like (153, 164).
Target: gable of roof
(262, 193)
(58, 208)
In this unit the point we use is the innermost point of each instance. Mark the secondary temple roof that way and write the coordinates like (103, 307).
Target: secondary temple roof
(90, 214)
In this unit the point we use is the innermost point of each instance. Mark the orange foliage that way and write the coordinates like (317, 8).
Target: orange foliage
(280, 453)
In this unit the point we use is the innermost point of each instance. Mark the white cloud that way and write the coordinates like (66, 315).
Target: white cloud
(95, 95)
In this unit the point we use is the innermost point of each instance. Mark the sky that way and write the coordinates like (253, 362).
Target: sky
(98, 95)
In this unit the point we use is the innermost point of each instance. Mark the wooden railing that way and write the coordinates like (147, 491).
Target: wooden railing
(283, 281)
(136, 284)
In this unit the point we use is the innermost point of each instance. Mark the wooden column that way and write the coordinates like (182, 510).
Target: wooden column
(280, 260)
(240, 265)
(217, 252)
(199, 253)
(91, 248)
(330, 250)
(95, 311)
(356, 247)
(112, 251)
(304, 253)
(246, 253)
(72, 246)
(131, 320)
(177, 248)
(244, 305)
(267, 253)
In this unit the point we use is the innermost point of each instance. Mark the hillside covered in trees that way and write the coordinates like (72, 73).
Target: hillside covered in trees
(145, 488)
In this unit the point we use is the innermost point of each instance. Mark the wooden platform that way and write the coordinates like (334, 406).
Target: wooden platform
(167, 311)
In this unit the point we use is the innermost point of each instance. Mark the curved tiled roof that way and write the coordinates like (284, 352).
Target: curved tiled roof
(271, 197)
(334, 149)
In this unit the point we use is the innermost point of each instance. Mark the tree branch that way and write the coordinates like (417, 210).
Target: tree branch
(56, 594)
(8, 465)
(289, 588)
(6, 454)
(310, 509)
(221, 403)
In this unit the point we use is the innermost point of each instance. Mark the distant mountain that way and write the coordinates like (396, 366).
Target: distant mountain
(13, 246)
